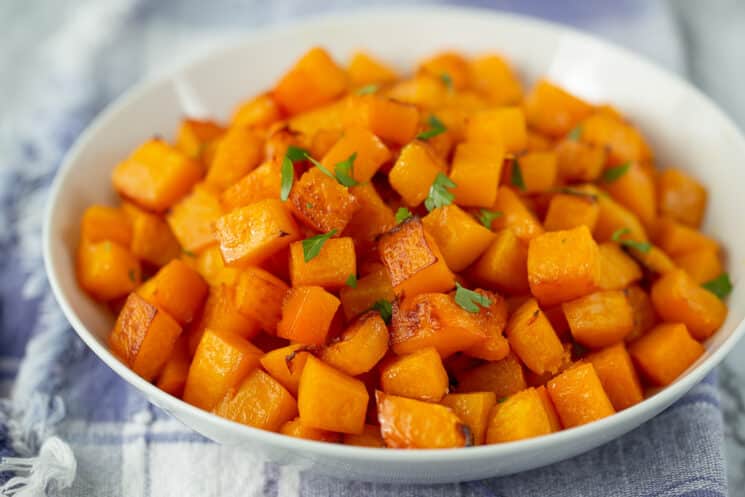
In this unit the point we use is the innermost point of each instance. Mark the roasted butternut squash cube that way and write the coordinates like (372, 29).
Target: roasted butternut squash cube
(156, 176)
(143, 336)
(365, 69)
(394, 122)
(413, 260)
(502, 125)
(258, 112)
(679, 299)
(295, 428)
(548, 405)
(681, 197)
(519, 416)
(193, 218)
(179, 290)
(476, 170)
(370, 437)
(222, 360)
(553, 110)
(373, 216)
(567, 211)
(194, 136)
(371, 288)
(493, 77)
(106, 270)
(331, 400)
(359, 348)
(492, 320)
(259, 296)
(623, 142)
(617, 375)
(617, 269)
(307, 313)
(419, 375)
(423, 90)
(259, 184)
(413, 424)
(645, 316)
(665, 352)
(448, 66)
(701, 264)
(331, 268)
(503, 377)
(460, 238)
(414, 172)
(314, 80)
(537, 169)
(211, 266)
(534, 340)
(251, 234)
(473, 409)
(678, 239)
(579, 396)
(370, 153)
(260, 401)
(599, 319)
(635, 190)
(504, 264)
(562, 265)
(152, 239)
(515, 215)
(172, 377)
(286, 364)
(321, 202)
(101, 223)
(577, 161)
(307, 124)
(613, 217)
(654, 259)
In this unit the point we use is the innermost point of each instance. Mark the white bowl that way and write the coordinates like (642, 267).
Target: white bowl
(684, 127)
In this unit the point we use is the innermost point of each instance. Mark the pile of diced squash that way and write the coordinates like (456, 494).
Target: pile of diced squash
(428, 260)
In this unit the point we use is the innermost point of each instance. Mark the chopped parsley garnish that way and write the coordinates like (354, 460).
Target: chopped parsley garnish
(312, 246)
(352, 281)
(439, 193)
(447, 80)
(613, 173)
(516, 178)
(384, 308)
(292, 155)
(640, 246)
(368, 89)
(402, 214)
(435, 128)
(575, 134)
(487, 217)
(721, 286)
(470, 300)
(343, 170)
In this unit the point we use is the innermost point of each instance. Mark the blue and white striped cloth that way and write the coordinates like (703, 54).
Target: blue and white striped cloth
(61, 63)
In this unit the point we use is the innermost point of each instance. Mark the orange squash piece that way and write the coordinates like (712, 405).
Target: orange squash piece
(701, 264)
(515, 215)
(330, 269)
(520, 416)
(423, 90)
(156, 176)
(413, 424)
(665, 352)
(579, 397)
(152, 239)
(473, 409)
(172, 377)
(220, 362)
(419, 375)
(179, 290)
(251, 234)
(502, 125)
(503, 265)
(195, 136)
(413, 260)
(562, 265)
(261, 183)
(373, 216)
(365, 70)
(678, 239)
(370, 437)
(450, 66)
(321, 202)
(553, 110)
(635, 190)
(618, 376)
(286, 364)
(314, 80)
(331, 400)
(101, 223)
(623, 142)
(645, 316)
(259, 296)
(599, 319)
(143, 336)
(106, 270)
(534, 340)
(295, 428)
(359, 348)
(476, 170)
(681, 197)
(492, 321)
(492, 76)
(655, 260)
(414, 172)
(370, 153)
(260, 401)
(679, 299)
(433, 320)
(193, 218)
(307, 313)
(393, 122)
(371, 288)
(613, 217)
(548, 405)
(567, 211)
(504, 378)
(460, 238)
(211, 266)
(537, 169)
(577, 161)
(258, 112)
(617, 269)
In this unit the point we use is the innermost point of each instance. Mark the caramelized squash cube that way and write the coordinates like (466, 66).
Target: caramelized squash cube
(579, 397)
(553, 110)
(460, 238)
(476, 170)
(314, 80)
(502, 125)
(321, 202)
(599, 319)
(193, 218)
(331, 268)
(259, 296)
(419, 375)
(504, 264)
(106, 270)
(520, 416)
(359, 348)
(618, 376)
(307, 313)
(414, 172)
(101, 223)
(665, 352)
(370, 153)
(534, 340)
(473, 409)
(681, 197)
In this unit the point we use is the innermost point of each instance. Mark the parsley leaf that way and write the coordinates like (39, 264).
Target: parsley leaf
(613, 173)
(312, 246)
(516, 178)
(486, 217)
(402, 214)
(368, 89)
(296, 153)
(468, 299)
(343, 171)
(575, 134)
(293, 154)
(188, 253)
(352, 281)
(384, 308)
(319, 166)
(721, 286)
(439, 195)
(435, 128)
(640, 246)
(132, 275)
(447, 80)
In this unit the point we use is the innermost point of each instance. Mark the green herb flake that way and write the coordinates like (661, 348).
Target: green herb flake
(516, 177)
(368, 89)
(501, 399)
(436, 127)
(384, 308)
(344, 173)
(312, 246)
(308, 205)
(132, 275)
(439, 193)
(292, 155)
(613, 173)
(575, 134)
(352, 281)
(188, 253)
(402, 214)
(643, 247)
(447, 80)
(721, 286)
(487, 217)
(319, 166)
(470, 300)
(296, 154)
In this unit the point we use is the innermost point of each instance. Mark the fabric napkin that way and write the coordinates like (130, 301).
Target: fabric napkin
(70, 426)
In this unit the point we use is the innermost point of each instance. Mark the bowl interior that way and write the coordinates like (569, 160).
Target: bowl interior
(684, 128)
